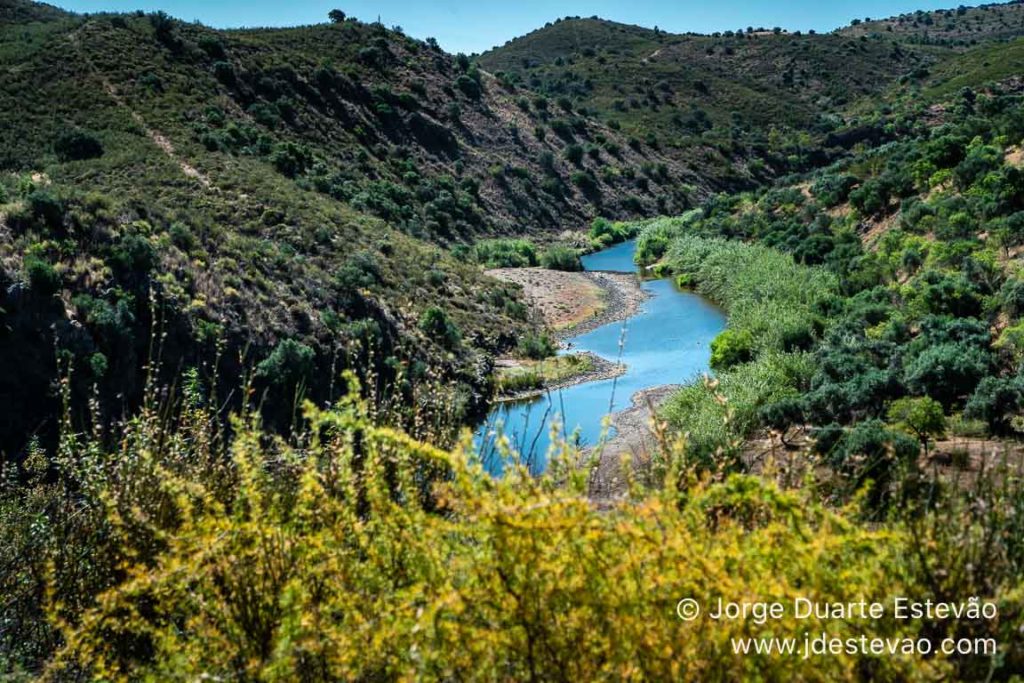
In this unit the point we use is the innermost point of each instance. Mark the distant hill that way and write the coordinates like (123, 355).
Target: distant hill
(740, 104)
(960, 27)
(711, 100)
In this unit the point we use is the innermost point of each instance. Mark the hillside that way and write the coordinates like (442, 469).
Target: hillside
(959, 27)
(719, 101)
(915, 251)
(740, 106)
(287, 184)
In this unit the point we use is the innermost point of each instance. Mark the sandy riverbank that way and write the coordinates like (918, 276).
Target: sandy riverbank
(634, 435)
(575, 303)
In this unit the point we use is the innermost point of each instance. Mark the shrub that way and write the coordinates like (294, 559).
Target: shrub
(132, 254)
(361, 271)
(212, 46)
(163, 27)
(454, 112)
(782, 414)
(434, 323)
(587, 183)
(290, 364)
(831, 190)
(872, 457)
(345, 527)
(731, 347)
(563, 130)
(76, 145)
(536, 346)
(41, 275)
(224, 72)
(46, 208)
(469, 86)
(573, 153)
(505, 253)
(604, 232)
(995, 401)
(291, 159)
(561, 258)
(372, 56)
(947, 371)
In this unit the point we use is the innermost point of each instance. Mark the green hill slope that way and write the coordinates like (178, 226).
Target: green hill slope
(743, 106)
(146, 212)
(715, 101)
(959, 27)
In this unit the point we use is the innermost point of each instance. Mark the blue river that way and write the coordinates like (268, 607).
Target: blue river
(666, 342)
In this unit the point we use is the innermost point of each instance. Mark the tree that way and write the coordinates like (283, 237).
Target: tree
(873, 455)
(163, 26)
(336, 16)
(921, 416)
(947, 371)
(996, 400)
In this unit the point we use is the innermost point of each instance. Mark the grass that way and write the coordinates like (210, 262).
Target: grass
(529, 375)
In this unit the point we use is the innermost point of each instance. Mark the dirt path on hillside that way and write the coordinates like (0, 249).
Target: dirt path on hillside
(158, 138)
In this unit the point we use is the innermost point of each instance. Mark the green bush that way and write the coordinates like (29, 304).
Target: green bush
(573, 153)
(505, 253)
(603, 232)
(132, 254)
(730, 348)
(831, 190)
(587, 183)
(536, 346)
(46, 208)
(291, 159)
(224, 72)
(469, 86)
(434, 323)
(561, 258)
(41, 275)
(872, 457)
(76, 145)
(290, 364)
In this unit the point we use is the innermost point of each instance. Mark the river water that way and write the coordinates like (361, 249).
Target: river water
(666, 342)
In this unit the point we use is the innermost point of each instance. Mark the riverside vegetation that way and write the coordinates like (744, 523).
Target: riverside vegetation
(244, 323)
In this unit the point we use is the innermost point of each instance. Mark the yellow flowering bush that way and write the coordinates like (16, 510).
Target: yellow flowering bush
(357, 553)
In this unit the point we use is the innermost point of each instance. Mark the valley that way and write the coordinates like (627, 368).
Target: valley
(329, 354)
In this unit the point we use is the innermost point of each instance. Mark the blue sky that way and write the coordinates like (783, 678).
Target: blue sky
(474, 26)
